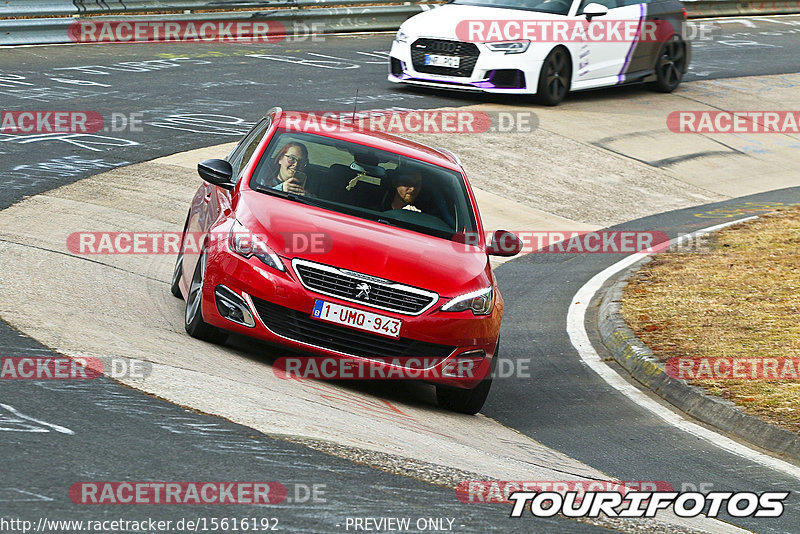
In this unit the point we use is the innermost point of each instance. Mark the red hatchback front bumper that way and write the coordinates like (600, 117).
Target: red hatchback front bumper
(441, 343)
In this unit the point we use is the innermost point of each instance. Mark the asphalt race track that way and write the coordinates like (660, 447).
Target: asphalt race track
(203, 94)
(54, 434)
(616, 437)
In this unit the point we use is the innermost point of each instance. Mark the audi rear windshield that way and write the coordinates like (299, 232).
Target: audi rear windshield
(365, 182)
(557, 7)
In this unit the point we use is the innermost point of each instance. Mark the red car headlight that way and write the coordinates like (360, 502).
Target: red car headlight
(247, 244)
(480, 302)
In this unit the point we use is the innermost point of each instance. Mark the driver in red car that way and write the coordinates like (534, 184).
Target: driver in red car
(404, 192)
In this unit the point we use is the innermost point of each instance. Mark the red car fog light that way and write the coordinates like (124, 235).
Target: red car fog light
(233, 307)
(464, 365)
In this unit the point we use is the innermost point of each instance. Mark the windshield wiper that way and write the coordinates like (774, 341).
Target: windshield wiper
(388, 222)
(400, 224)
(290, 196)
(269, 191)
(311, 201)
(406, 225)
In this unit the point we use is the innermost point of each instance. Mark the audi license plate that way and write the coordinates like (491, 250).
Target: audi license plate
(370, 322)
(442, 61)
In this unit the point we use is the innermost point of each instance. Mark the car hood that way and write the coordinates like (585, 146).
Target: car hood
(441, 22)
(296, 230)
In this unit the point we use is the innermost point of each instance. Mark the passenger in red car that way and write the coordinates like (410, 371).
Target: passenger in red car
(290, 162)
(406, 188)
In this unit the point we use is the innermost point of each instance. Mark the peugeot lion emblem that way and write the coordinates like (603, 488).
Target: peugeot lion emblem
(363, 291)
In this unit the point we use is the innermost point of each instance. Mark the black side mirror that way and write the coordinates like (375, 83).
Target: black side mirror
(504, 243)
(216, 171)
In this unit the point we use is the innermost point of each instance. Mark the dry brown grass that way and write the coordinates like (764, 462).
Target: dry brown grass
(741, 300)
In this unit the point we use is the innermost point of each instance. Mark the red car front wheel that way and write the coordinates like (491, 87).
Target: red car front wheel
(194, 323)
(469, 401)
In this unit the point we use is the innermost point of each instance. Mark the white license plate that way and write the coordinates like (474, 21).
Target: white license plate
(442, 61)
(363, 320)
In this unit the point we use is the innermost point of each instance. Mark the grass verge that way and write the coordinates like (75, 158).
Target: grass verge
(740, 300)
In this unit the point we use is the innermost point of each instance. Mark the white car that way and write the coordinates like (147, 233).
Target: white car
(542, 47)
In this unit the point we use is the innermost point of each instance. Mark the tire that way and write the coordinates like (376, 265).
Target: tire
(193, 318)
(177, 273)
(670, 65)
(555, 77)
(468, 401)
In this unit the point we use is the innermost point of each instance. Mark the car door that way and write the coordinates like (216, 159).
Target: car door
(239, 159)
(608, 59)
(667, 17)
(210, 200)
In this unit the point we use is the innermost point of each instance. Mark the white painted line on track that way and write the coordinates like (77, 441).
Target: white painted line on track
(576, 329)
(57, 428)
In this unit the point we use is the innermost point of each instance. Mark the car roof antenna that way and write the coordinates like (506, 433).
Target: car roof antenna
(355, 104)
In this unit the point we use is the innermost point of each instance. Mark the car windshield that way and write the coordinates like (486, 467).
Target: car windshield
(558, 7)
(365, 182)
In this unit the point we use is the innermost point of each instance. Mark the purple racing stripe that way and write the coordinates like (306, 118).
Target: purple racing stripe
(621, 75)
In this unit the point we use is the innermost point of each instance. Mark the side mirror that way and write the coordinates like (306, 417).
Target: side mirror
(216, 171)
(504, 243)
(594, 10)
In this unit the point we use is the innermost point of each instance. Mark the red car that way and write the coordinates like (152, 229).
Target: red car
(346, 244)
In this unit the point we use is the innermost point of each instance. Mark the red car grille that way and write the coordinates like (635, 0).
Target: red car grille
(301, 327)
(381, 294)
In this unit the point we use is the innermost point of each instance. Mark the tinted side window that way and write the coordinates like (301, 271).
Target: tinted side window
(235, 154)
(244, 151)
